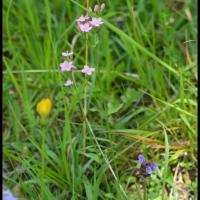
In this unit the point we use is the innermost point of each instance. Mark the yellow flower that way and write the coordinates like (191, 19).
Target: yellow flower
(44, 107)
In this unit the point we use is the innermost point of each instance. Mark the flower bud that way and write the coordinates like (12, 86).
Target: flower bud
(103, 6)
(96, 7)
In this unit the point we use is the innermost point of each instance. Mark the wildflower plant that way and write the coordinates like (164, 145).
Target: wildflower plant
(85, 23)
(146, 168)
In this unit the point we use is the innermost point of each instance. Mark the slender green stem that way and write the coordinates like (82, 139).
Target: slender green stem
(87, 5)
(85, 112)
(85, 94)
(85, 85)
(85, 81)
(43, 159)
(145, 189)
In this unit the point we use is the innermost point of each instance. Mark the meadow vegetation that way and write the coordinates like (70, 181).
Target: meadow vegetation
(141, 99)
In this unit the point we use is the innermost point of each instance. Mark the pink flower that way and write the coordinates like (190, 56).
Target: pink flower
(96, 22)
(68, 83)
(96, 7)
(67, 66)
(67, 54)
(85, 27)
(103, 6)
(88, 70)
(82, 18)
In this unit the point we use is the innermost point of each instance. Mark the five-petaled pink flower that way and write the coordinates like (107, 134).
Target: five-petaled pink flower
(96, 22)
(68, 83)
(67, 66)
(88, 70)
(67, 53)
(85, 27)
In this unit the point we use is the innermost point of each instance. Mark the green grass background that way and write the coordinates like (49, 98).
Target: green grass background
(141, 99)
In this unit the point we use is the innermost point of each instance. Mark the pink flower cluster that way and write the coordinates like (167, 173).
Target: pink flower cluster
(68, 66)
(86, 23)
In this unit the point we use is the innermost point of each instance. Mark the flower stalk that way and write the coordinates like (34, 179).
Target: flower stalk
(85, 86)
(85, 24)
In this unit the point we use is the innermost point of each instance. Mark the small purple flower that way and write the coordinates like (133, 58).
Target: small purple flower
(85, 27)
(141, 158)
(148, 169)
(82, 18)
(96, 22)
(103, 6)
(68, 83)
(96, 7)
(7, 195)
(88, 70)
(67, 66)
(67, 53)
(154, 166)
